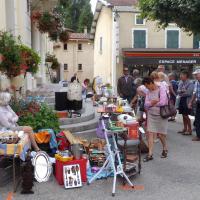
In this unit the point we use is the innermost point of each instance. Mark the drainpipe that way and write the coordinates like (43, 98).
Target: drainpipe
(76, 58)
(115, 46)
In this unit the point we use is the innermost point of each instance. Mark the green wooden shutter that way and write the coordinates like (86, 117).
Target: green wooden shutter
(139, 38)
(196, 41)
(173, 39)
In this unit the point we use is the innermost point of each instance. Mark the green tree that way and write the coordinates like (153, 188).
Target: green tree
(76, 14)
(85, 17)
(185, 13)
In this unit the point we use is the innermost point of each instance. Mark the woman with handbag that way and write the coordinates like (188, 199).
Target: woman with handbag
(185, 91)
(156, 97)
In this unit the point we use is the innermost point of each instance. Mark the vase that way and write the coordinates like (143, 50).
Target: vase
(17, 85)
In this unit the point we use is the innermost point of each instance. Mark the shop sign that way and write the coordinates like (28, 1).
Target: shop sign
(179, 61)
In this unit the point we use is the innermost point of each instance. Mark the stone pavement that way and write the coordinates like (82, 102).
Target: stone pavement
(176, 178)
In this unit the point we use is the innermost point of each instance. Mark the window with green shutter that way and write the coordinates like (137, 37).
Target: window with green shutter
(173, 39)
(139, 38)
(139, 20)
(196, 41)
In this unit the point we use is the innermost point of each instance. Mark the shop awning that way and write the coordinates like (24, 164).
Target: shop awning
(134, 56)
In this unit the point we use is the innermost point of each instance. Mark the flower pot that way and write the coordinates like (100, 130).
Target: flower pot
(17, 81)
(16, 84)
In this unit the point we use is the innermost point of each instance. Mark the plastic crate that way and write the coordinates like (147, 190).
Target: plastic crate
(59, 169)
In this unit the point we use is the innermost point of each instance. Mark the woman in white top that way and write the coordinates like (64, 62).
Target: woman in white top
(9, 119)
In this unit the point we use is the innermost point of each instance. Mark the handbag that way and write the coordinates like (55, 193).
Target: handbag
(141, 103)
(168, 110)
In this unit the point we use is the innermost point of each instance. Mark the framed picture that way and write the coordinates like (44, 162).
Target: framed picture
(72, 176)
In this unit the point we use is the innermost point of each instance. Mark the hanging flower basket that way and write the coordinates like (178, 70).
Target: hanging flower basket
(49, 23)
(64, 36)
(52, 59)
(10, 51)
(30, 59)
(45, 22)
(35, 16)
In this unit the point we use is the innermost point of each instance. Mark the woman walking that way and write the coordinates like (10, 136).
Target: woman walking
(155, 98)
(185, 91)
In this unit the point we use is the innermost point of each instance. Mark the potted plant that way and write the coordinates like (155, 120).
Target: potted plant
(35, 16)
(49, 22)
(53, 60)
(45, 22)
(38, 116)
(11, 58)
(30, 58)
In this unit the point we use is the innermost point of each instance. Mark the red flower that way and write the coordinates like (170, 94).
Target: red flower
(2, 58)
(24, 67)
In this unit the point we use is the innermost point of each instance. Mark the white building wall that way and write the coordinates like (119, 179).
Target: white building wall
(15, 18)
(2, 15)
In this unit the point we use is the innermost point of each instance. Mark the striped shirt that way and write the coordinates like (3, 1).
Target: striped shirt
(197, 90)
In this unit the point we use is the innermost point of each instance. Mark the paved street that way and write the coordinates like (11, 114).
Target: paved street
(176, 178)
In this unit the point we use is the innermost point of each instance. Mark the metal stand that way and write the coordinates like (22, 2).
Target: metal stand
(112, 159)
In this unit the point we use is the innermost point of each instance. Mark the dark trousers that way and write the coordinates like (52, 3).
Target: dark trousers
(197, 119)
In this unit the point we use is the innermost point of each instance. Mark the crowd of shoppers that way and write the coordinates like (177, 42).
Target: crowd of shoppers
(158, 90)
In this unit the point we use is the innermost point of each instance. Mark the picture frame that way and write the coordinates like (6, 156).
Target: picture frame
(72, 176)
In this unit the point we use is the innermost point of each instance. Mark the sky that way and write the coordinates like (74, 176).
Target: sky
(93, 3)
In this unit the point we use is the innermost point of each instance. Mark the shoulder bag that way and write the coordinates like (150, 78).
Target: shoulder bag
(168, 110)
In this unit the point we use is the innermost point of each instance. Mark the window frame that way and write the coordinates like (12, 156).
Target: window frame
(81, 67)
(140, 29)
(101, 45)
(64, 67)
(179, 39)
(64, 47)
(194, 42)
(144, 21)
(81, 47)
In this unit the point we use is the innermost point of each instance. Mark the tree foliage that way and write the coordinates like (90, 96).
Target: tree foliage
(76, 14)
(185, 13)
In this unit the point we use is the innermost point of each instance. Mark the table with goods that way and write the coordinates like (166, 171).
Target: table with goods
(74, 160)
(13, 148)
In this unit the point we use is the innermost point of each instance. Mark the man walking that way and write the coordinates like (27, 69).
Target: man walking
(196, 97)
(126, 87)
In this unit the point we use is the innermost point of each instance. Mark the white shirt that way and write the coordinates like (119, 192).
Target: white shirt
(8, 118)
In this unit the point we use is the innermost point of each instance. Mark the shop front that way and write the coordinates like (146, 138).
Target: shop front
(147, 60)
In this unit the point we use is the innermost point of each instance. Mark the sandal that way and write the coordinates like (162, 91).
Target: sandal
(164, 154)
(187, 133)
(171, 120)
(181, 132)
(148, 158)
